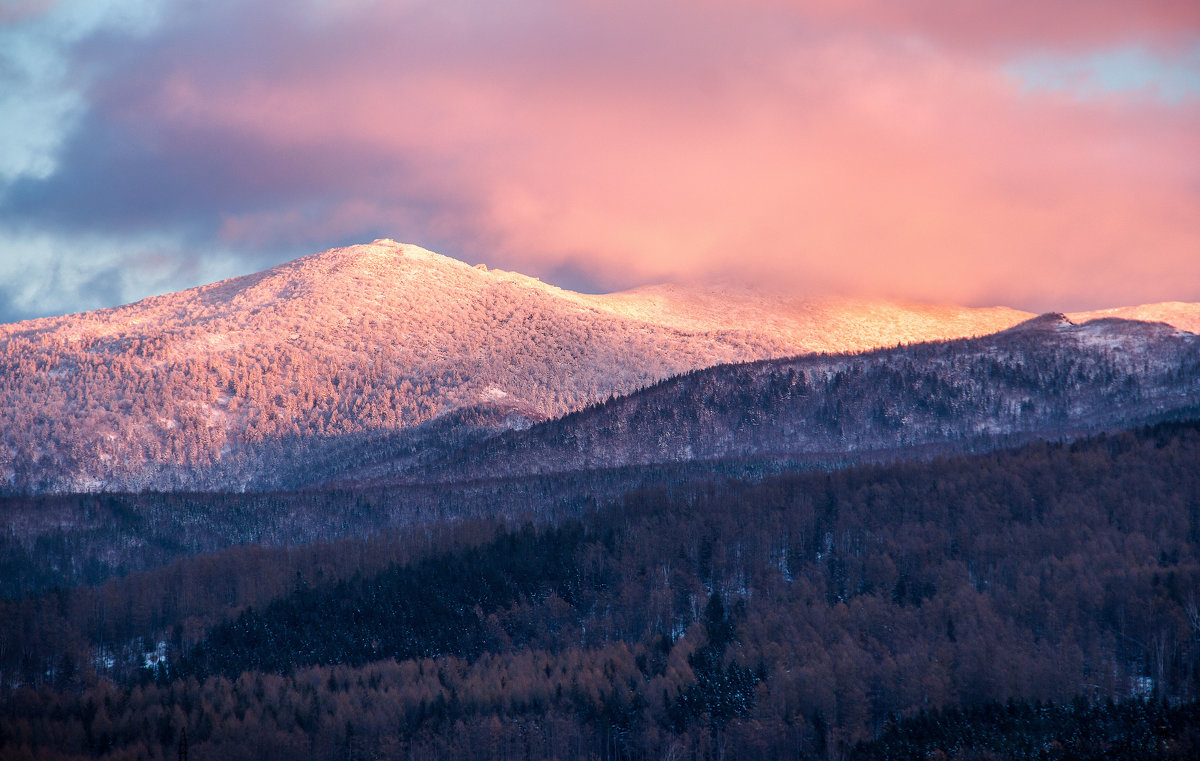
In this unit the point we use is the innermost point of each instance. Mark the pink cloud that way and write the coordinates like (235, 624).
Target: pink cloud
(871, 146)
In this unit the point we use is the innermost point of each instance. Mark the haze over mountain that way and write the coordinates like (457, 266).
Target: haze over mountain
(235, 384)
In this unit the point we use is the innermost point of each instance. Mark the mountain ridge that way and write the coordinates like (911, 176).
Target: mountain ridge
(1045, 378)
(232, 384)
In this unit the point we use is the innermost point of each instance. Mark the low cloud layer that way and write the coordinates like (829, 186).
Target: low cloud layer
(872, 147)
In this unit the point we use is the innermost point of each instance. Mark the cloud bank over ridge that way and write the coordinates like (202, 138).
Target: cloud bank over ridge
(909, 150)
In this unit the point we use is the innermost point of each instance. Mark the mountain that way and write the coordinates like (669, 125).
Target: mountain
(1047, 377)
(830, 325)
(1175, 313)
(408, 507)
(373, 350)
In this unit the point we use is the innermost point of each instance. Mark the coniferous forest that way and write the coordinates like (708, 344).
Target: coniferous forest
(1041, 602)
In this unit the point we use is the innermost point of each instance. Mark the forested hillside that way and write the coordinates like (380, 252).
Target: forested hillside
(796, 615)
(228, 386)
(1046, 378)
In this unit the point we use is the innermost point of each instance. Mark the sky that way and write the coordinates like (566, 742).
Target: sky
(1020, 152)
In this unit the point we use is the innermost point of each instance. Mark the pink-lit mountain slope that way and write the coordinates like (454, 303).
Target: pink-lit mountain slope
(247, 382)
(1179, 314)
(831, 325)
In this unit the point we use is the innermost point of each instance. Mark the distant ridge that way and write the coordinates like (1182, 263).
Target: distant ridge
(1178, 314)
(1045, 378)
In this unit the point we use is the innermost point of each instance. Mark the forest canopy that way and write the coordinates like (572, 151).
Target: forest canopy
(799, 614)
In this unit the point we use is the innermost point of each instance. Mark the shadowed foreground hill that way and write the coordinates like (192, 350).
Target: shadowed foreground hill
(788, 618)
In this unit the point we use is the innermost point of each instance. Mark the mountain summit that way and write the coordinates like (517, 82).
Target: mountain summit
(233, 385)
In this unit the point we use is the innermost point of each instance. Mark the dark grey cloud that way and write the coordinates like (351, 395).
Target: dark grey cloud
(106, 286)
(111, 180)
(10, 310)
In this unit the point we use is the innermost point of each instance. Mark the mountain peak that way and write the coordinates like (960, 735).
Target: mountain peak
(377, 257)
(1042, 323)
(1118, 333)
(1053, 319)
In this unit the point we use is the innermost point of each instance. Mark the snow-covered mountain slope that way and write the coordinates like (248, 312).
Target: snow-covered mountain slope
(371, 352)
(239, 383)
(1045, 378)
(828, 325)
(1178, 314)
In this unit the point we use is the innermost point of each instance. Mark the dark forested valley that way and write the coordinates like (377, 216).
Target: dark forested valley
(1040, 602)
